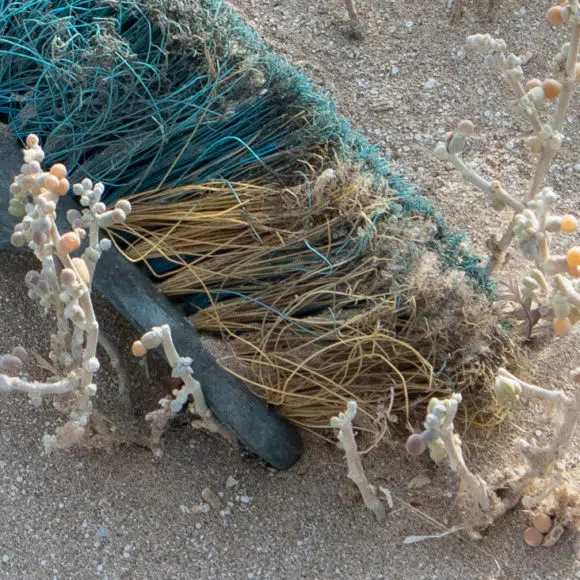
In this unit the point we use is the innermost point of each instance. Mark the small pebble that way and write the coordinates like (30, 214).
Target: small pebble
(231, 482)
(102, 532)
(211, 498)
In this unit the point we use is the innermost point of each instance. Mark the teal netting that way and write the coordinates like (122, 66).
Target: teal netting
(120, 89)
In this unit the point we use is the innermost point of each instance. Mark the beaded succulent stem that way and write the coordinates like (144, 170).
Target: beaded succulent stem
(63, 284)
(552, 287)
(548, 136)
(180, 369)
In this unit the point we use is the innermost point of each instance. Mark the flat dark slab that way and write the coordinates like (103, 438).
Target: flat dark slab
(259, 427)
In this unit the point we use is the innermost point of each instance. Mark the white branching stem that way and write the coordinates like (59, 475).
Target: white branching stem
(476, 486)
(90, 325)
(36, 389)
(355, 468)
(181, 368)
(566, 287)
(63, 282)
(569, 81)
(509, 387)
(439, 429)
(492, 188)
(533, 391)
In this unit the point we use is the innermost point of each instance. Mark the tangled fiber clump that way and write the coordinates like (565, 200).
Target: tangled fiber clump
(253, 201)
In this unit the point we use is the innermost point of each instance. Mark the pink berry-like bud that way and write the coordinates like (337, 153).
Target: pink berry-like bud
(69, 242)
(62, 187)
(533, 537)
(465, 128)
(542, 522)
(68, 277)
(58, 170)
(32, 140)
(138, 349)
(51, 182)
(415, 444)
(10, 364)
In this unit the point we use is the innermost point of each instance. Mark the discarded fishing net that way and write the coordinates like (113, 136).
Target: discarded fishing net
(327, 277)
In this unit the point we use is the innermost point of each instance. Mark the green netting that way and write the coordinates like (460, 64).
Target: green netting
(141, 95)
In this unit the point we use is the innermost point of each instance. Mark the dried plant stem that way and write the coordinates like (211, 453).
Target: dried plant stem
(566, 287)
(36, 389)
(491, 188)
(500, 247)
(91, 326)
(192, 386)
(355, 468)
(476, 486)
(569, 81)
